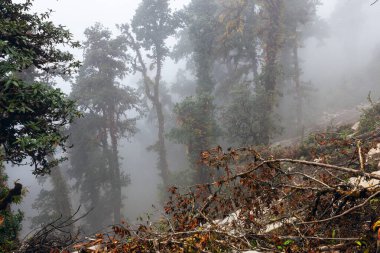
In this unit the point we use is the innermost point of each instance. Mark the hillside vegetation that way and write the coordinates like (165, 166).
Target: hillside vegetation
(320, 196)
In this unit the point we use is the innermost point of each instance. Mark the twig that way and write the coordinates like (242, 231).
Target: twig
(329, 166)
(360, 155)
(311, 178)
(344, 213)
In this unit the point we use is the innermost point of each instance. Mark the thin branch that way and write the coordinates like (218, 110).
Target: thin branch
(344, 213)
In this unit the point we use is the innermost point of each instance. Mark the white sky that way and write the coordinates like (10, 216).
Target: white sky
(77, 15)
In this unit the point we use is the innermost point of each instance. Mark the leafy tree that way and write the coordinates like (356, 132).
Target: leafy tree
(152, 24)
(272, 42)
(89, 168)
(263, 37)
(197, 129)
(201, 21)
(196, 124)
(239, 57)
(105, 102)
(32, 113)
(240, 117)
(238, 47)
(299, 23)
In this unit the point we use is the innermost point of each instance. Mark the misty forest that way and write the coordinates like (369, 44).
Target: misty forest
(189, 126)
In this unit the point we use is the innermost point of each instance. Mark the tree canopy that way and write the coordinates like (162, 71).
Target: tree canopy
(32, 113)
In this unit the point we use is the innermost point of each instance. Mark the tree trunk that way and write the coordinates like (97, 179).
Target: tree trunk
(115, 168)
(272, 46)
(161, 148)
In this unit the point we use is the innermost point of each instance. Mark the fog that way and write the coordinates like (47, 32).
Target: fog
(342, 66)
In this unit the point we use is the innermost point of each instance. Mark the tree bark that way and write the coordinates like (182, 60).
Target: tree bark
(161, 148)
(271, 48)
(154, 97)
(115, 168)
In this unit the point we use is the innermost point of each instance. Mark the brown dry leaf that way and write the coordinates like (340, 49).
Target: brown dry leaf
(1, 219)
(80, 245)
(205, 154)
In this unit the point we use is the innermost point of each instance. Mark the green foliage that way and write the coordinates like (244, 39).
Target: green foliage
(32, 114)
(89, 169)
(54, 203)
(31, 122)
(195, 121)
(9, 230)
(196, 128)
(10, 222)
(152, 24)
(105, 104)
(30, 39)
(241, 118)
(370, 118)
(201, 26)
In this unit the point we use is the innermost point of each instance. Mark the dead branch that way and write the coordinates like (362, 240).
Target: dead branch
(54, 235)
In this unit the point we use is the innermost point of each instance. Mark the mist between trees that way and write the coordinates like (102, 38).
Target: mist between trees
(248, 73)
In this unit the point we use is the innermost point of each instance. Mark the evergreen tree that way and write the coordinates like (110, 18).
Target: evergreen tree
(32, 113)
(238, 47)
(106, 104)
(272, 43)
(260, 46)
(299, 20)
(152, 24)
(197, 128)
(240, 117)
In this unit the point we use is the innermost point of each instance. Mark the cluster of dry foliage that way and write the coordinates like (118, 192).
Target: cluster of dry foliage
(301, 199)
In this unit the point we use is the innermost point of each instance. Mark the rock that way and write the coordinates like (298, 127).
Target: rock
(366, 183)
(373, 156)
(355, 127)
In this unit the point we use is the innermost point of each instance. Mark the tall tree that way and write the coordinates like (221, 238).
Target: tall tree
(197, 128)
(201, 22)
(152, 24)
(272, 42)
(32, 113)
(238, 47)
(89, 169)
(260, 46)
(239, 56)
(106, 103)
(299, 23)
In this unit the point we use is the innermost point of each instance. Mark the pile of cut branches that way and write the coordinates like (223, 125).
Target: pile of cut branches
(302, 199)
